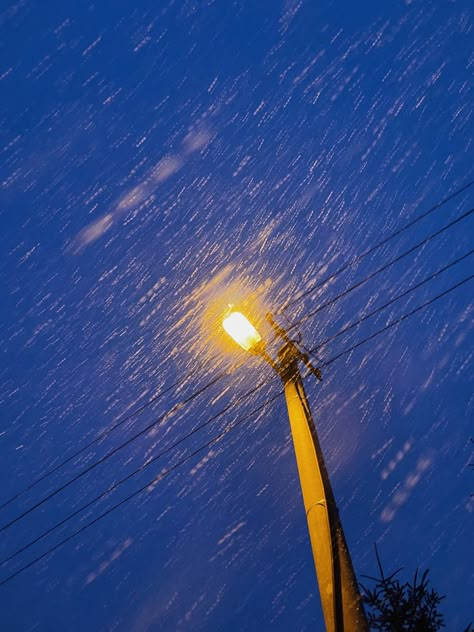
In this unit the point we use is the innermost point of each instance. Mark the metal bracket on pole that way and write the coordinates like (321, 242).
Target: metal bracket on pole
(290, 352)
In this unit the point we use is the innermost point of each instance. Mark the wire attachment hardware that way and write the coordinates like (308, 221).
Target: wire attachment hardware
(290, 351)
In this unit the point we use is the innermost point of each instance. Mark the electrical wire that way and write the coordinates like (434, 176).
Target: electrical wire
(139, 410)
(96, 439)
(397, 321)
(390, 302)
(153, 482)
(222, 412)
(227, 429)
(382, 268)
(88, 469)
(378, 245)
(135, 472)
(206, 386)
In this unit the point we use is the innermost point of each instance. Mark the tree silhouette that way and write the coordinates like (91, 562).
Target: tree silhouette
(393, 606)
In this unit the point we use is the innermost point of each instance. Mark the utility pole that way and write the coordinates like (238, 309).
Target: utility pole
(340, 597)
(338, 589)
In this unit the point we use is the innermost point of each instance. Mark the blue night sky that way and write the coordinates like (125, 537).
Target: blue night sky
(160, 160)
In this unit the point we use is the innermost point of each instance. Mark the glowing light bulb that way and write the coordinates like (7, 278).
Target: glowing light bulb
(241, 330)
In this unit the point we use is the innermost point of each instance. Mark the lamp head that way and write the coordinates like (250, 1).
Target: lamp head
(242, 331)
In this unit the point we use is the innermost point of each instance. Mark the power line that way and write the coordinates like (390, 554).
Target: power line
(397, 321)
(154, 481)
(382, 268)
(100, 436)
(134, 473)
(105, 433)
(139, 410)
(391, 301)
(215, 439)
(222, 412)
(200, 391)
(86, 470)
(378, 245)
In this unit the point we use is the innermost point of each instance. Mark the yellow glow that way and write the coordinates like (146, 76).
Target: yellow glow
(241, 330)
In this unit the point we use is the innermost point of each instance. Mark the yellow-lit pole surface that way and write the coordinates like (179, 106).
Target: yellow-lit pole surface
(340, 597)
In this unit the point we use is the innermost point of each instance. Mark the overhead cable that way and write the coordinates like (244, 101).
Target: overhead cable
(396, 321)
(385, 240)
(149, 484)
(222, 412)
(382, 268)
(143, 467)
(227, 429)
(347, 265)
(96, 439)
(379, 270)
(390, 302)
(109, 454)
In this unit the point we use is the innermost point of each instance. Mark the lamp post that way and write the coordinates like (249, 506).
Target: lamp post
(340, 597)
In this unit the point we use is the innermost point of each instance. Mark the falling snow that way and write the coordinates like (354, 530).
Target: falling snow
(160, 162)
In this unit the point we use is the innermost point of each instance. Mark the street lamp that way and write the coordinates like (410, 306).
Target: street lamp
(241, 330)
(338, 588)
